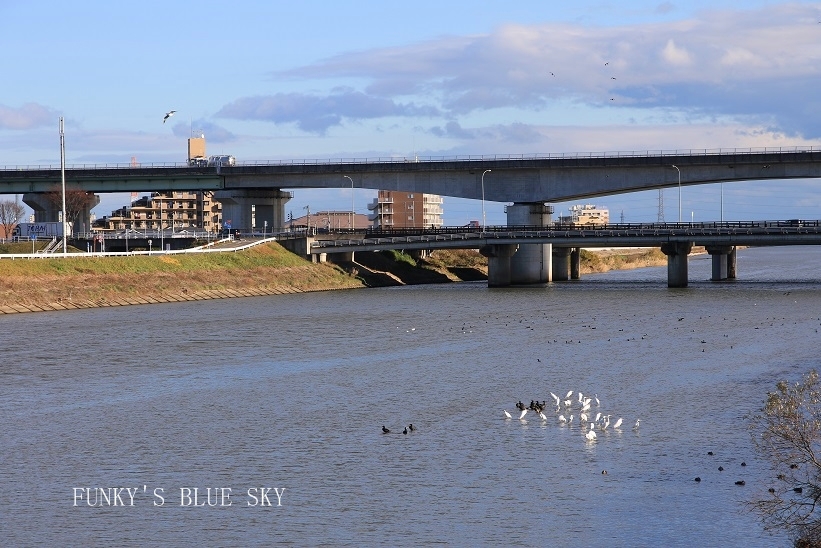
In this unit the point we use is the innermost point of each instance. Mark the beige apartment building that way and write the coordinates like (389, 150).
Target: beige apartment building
(177, 210)
(397, 209)
(586, 215)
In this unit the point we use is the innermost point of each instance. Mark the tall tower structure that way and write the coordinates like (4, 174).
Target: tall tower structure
(661, 206)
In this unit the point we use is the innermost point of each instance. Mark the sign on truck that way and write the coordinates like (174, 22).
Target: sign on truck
(39, 230)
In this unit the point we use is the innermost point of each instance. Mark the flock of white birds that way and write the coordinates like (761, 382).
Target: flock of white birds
(590, 418)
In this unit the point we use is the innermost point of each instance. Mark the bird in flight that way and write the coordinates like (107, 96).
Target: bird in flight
(168, 115)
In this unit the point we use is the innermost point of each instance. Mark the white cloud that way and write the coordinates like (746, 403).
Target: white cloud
(758, 64)
(675, 55)
(28, 116)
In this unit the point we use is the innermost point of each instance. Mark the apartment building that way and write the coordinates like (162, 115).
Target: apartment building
(177, 210)
(397, 209)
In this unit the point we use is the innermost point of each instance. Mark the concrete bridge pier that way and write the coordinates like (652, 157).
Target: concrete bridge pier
(46, 211)
(532, 264)
(250, 208)
(731, 264)
(499, 263)
(561, 263)
(576, 263)
(677, 253)
(722, 256)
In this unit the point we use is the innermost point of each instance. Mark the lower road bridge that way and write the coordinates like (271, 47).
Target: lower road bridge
(552, 253)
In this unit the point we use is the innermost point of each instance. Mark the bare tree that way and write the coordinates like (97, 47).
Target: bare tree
(10, 214)
(77, 201)
(787, 432)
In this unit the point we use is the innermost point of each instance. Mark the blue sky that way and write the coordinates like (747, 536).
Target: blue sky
(327, 80)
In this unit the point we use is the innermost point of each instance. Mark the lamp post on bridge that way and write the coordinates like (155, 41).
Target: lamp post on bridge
(352, 206)
(484, 220)
(679, 192)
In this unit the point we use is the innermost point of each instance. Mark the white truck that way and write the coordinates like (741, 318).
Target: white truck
(223, 160)
(40, 231)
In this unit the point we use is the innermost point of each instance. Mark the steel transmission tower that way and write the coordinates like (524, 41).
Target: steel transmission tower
(661, 206)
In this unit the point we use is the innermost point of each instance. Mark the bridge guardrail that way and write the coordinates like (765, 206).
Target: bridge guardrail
(437, 159)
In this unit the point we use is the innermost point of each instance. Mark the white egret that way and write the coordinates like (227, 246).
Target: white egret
(562, 419)
(596, 396)
(591, 434)
(524, 412)
(583, 417)
(569, 393)
(507, 415)
(542, 416)
(618, 423)
(598, 416)
(555, 397)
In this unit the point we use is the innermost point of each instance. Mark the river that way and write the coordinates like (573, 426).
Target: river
(276, 404)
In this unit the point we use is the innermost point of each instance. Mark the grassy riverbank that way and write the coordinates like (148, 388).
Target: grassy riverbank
(101, 281)
(267, 269)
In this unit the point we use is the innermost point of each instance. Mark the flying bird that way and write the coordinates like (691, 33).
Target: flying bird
(168, 115)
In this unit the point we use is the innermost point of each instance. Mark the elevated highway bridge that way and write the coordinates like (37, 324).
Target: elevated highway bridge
(529, 183)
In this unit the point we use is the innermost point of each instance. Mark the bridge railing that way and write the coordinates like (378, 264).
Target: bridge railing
(438, 159)
(400, 232)
(625, 231)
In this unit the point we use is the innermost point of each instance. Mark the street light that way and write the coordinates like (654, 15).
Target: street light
(484, 223)
(352, 208)
(63, 181)
(679, 192)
